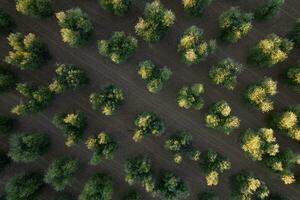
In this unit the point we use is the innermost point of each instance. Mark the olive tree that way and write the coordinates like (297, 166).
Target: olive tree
(294, 33)
(24, 186)
(219, 117)
(139, 170)
(245, 185)
(68, 76)
(103, 147)
(193, 48)
(225, 73)
(156, 22)
(35, 8)
(72, 126)
(28, 147)
(120, 7)
(6, 124)
(155, 77)
(270, 51)
(61, 173)
(180, 144)
(268, 9)
(234, 24)
(260, 94)
(191, 97)
(147, 123)
(196, 7)
(171, 187)
(7, 24)
(99, 186)
(119, 48)
(38, 98)
(108, 99)
(76, 27)
(7, 79)
(212, 164)
(292, 76)
(29, 52)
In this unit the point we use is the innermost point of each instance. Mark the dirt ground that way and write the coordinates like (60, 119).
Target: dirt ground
(137, 99)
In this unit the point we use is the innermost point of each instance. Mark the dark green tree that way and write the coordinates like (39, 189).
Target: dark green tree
(35, 8)
(38, 98)
(61, 173)
(268, 9)
(171, 187)
(98, 187)
(68, 76)
(196, 7)
(76, 27)
(64, 197)
(29, 52)
(119, 48)
(24, 186)
(292, 76)
(147, 123)
(4, 161)
(103, 147)
(234, 24)
(155, 77)
(191, 96)
(156, 22)
(133, 195)
(120, 7)
(6, 124)
(294, 34)
(108, 99)
(7, 23)
(7, 79)
(27, 147)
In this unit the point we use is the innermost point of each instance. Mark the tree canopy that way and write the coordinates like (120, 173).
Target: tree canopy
(268, 9)
(4, 161)
(7, 24)
(294, 33)
(196, 7)
(7, 79)
(6, 124)
(292, 76)
(191, 96)
(35, 8)
(120, 7)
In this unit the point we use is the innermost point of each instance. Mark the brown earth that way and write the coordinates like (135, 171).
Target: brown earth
(101, 71)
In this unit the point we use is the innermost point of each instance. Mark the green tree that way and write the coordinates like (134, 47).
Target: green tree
(270, 51)
(219, 118)
(225, 73)
(61, 173)
(71, 125)
(294, 33)
(260, 94)
(120, 7)
(98, 187)
(292, 76)
(76, 27)
(108, 99)
(4, 161)
(171, 187)
(7, 23)
(35, 8)
(247, 186)
(192, 46)
(212, 164)
(103, 147)
(119, 48)
(268, 9)
(234, 24)
(155, 77)
(196, 7)
(181, 144)
(133, 195)
(208, 196)
(7, 79)
(6, 124)
(24, 186)
(68, 77)
(260, 143)
(39, 97)
(147, 123)
(28, 147)
(156, 22)
(29, 52)
(139, 170)
(191, 96)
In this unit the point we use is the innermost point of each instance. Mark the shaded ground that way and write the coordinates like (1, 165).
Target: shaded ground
(101, 71)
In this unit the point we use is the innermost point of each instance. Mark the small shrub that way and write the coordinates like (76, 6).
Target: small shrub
(7, 23)
(268, 10)
(196, 7)
(225, 73)
(147, 123)
(120, 7)
(191, 97)
(29, 52)
(154, 76)
(103, 147)
(156, 22)
(192, 46)
(35, 8)
(219, 118)
(108, 99)
(119, 48)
